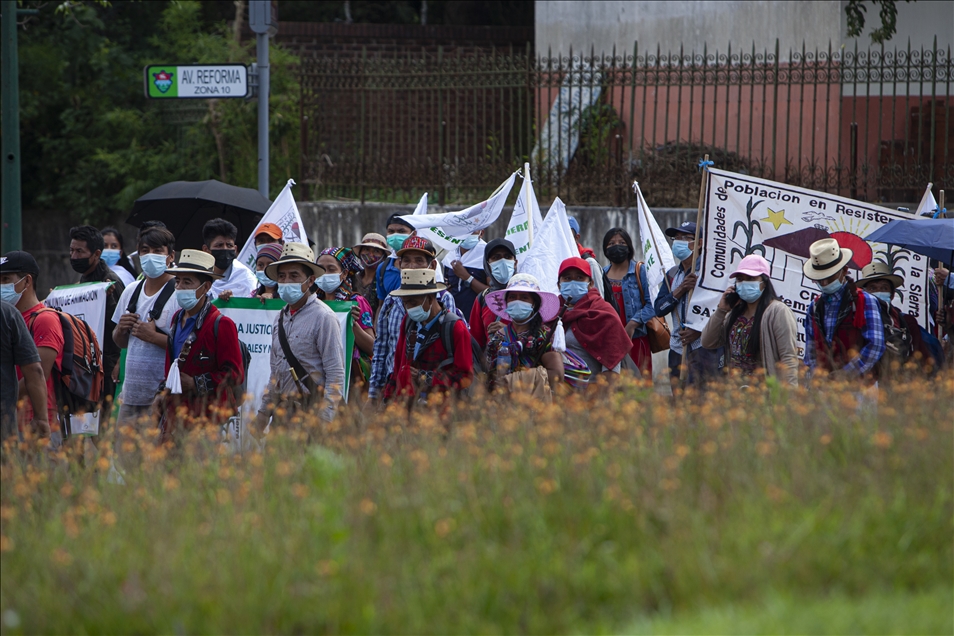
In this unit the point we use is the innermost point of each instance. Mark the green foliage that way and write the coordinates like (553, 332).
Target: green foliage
(888, 14)
(787, 510)
(92, 143)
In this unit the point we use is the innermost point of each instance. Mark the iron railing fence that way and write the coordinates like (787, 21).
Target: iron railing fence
(875, 125)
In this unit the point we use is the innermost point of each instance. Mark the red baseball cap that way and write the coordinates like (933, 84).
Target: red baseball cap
(576, 263)
(271, 229)
(417, 244)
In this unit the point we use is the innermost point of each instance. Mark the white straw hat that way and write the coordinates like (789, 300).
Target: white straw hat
(826, 257)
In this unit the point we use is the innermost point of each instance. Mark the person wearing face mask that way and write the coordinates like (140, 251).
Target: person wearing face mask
(114, 254)
(423, 364)
(757, 329)
(500, 264)
(373, 252)
(525, 311)
(905, 340)
(143, 321)
(267, 254)
(464, 271)
(388, 276)
(86, 249)
(307, 356)
(629, 286)
(685, 346)
(844, 333)
(205, 345)
(337, 283)
(268, 234)
(416, 252)
(593, 329)
(235, 279)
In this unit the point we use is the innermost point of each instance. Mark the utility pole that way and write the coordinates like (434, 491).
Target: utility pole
(10, 83)
(263, 20)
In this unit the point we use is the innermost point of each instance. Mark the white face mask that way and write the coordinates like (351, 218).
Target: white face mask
(328, 282)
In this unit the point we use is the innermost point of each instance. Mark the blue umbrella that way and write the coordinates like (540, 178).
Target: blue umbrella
(933, 238)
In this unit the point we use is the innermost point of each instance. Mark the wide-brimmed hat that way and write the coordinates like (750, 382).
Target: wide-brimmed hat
(375, 240)
(194, 262)
(417, 244)
(418, 282)
(549, 303)
(876, 270)
(752, 265)
(269, 229)
(826, 257)
(689, 227)
(295, 253)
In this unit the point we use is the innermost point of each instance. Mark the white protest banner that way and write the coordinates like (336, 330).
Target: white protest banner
(552, 244)
(522, 227)
(476, 217)
(928, 204)
(745, 215)
(88, 302)
(284, 213)
(656, 248)
(434, 234)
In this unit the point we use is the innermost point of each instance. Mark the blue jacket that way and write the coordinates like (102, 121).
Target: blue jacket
(637, 308)
(387, 278)
(665, 301)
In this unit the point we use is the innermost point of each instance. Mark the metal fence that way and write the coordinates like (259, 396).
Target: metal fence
(874, 125)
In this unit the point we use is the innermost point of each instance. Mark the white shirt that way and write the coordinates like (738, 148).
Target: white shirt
(145, 362)
(238, 279)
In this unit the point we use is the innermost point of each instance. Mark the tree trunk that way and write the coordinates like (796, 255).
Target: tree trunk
(238, 23)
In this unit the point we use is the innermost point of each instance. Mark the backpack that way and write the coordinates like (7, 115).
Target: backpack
(164, 295)
(78, 382)
(447, 339)
(246, 357)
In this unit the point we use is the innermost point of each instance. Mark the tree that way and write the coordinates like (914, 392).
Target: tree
(855, 11)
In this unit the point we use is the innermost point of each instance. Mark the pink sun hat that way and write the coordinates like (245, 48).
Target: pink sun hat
(752, 265)
(549, 303)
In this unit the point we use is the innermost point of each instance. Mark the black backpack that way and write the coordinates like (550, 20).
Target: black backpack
(246, 357)
(164, 295)
(447, 338)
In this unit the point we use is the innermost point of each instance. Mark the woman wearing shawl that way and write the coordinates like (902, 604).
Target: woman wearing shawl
(338, 284)
(500, 263)
(527, 309)
(593, 328)
(267, 254)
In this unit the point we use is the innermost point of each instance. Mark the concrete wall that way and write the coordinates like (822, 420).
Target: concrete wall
(584, 24)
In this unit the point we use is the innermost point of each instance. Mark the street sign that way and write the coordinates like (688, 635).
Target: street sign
(195, 81)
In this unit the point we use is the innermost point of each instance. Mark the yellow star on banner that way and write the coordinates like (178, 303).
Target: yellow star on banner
(776, 218)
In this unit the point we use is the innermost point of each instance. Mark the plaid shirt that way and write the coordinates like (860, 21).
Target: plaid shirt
(873, 332)
(386, 336)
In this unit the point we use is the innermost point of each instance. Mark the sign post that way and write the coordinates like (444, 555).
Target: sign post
(195, 81)
(263, 20)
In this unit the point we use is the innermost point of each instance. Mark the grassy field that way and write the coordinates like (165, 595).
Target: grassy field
(741, 512)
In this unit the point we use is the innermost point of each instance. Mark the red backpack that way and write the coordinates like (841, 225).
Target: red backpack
(79, 380)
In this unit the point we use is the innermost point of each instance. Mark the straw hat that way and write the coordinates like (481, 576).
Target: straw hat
(549, 303)
(195, 262)
(372, 239)
(826, 258)
(418, 282)
(876, 270)
(295, 253)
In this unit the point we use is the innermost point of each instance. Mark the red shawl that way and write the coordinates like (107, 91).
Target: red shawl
(597, 327)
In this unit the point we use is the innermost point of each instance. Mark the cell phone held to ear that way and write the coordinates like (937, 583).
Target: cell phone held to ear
(732, 298)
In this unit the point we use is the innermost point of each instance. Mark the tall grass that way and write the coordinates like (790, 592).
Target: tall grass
(590, 514)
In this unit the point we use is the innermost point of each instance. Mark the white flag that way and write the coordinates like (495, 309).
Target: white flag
(928, 203)
(434, 234)
(552, 244)
(284, 213)
(476, 217)
(656, 248)
(521, 228)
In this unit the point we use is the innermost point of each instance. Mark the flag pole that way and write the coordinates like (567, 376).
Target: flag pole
(684, 367)
(526, 203)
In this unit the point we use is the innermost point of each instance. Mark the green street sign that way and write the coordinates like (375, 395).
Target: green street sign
(195, 81)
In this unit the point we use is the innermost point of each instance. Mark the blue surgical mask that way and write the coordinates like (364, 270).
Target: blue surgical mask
(418, 314)
(264, 280)
(748, 290)
(8, 293)
(520, 310)
(187, 298)
(395, 241)
(470, 242)
(883, 296)
(110, 257)
(328, 282)
(291, 293)
(832, 288)
(502, 270)
(573, 290)
(680, 250)
(153, 265)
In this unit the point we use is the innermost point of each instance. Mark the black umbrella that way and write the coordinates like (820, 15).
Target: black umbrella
(185, 206)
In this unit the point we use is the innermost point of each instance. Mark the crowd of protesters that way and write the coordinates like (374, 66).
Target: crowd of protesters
(426, 323)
